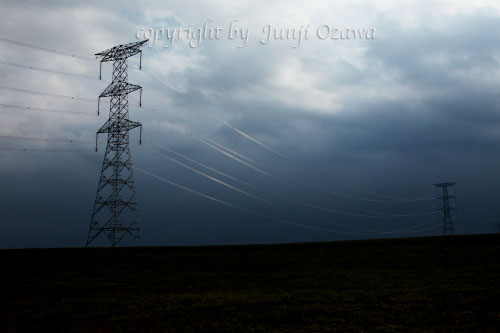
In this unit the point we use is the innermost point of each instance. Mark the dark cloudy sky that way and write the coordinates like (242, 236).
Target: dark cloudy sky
(419, 104)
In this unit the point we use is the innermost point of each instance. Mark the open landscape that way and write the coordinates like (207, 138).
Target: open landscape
(417, 284)
(249, 166)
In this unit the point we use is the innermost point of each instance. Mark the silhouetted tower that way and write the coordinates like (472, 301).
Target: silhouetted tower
(446, 206)
(115, 208)
(496, 227)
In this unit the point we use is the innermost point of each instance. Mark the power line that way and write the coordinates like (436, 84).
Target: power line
(426, 229)
(218, 181)
(223, 150)
(378, 232)
(365, 199)
(239, 160)
(392, 197)
(238, 207)
(18, 36)
(226, 151)
(413, 214)
(251, 138)
(228, 204)
(200, 139)
(335, 211)
(395, 199)
(25, 138)
(235, 153)
(47, 94)
(47, 150)
(79, 75)
(231, 151)
(265, 191)
(157, 80)
(215, 145)
(48, 70)
(6, 40)
(334, 192)
(225, 123)
(10, 106)
(76, 141)
(205, 166)
(234, 206)
(410, 214)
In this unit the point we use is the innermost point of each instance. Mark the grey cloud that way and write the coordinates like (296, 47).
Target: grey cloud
(415, 106)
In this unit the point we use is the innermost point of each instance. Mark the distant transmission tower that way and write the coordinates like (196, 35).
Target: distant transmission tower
(115, 211)
(446, 207)
(496, 228)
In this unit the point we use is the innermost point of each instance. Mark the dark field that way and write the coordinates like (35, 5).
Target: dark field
(426, 284)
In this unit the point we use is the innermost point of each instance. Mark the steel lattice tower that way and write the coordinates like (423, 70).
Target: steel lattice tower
(115, 211)
(446, 207)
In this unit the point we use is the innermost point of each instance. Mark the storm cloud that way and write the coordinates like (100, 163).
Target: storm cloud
(419, 104)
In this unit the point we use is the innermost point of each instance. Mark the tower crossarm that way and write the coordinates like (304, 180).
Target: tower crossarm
(124, 124)
(119, 89)
(121, 51)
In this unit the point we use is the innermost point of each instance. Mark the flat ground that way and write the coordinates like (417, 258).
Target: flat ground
(431, 284)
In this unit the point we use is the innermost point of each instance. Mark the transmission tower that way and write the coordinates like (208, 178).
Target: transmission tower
(115, 211)
(446, 206)
(496, 227)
